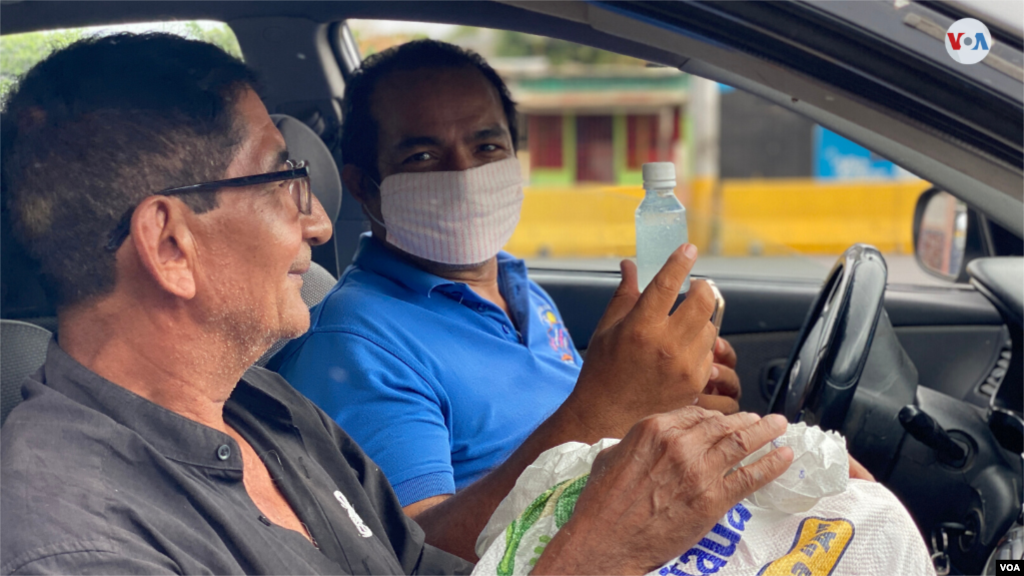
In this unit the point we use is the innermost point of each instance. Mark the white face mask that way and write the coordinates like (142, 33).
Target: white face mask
(461, 217)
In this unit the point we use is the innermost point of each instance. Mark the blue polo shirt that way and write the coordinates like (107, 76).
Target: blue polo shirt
(435, 383)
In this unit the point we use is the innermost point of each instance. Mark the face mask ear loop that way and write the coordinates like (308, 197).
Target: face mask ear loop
(369, 213)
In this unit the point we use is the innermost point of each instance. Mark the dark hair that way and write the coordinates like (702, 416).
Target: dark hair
(101, 124)
(359, 129)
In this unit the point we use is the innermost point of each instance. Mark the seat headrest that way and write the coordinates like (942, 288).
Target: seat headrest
(22, 351)
(304, 144)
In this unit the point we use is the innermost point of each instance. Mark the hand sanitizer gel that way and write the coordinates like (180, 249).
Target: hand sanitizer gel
(660, 222)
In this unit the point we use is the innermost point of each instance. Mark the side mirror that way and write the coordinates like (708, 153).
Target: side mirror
(947, 235)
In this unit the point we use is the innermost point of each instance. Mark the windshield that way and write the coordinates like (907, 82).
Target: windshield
(768, 193)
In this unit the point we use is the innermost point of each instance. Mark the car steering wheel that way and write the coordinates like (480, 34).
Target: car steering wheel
(828, 359)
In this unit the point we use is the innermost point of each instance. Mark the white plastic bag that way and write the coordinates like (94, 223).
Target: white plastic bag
(820, 468)
(854, 527)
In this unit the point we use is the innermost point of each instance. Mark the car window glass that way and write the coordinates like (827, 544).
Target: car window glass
(19, 52)
(781, 198)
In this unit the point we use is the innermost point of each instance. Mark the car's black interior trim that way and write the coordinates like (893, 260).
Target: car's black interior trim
(1001, 279)
(953, 11)
(770, 306)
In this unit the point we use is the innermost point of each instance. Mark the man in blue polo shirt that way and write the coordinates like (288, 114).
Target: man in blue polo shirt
(435, 351)
(445, 382)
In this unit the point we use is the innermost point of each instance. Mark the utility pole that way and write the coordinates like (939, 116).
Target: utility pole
(704, 114)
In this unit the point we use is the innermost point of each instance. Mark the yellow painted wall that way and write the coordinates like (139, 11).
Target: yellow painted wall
(759, 217)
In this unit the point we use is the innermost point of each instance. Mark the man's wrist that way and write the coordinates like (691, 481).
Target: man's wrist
(582, 424)
(571, 552)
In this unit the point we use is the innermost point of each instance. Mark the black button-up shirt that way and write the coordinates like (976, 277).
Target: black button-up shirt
(96, 479)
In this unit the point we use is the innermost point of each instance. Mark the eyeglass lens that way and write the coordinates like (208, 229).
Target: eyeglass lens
(300, 190)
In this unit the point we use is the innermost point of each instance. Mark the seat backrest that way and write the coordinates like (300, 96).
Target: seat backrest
(22, 352)
(316, 283)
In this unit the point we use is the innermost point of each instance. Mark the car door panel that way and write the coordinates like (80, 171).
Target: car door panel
(953, 335)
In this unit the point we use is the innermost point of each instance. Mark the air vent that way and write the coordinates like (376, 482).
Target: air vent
(995, 378)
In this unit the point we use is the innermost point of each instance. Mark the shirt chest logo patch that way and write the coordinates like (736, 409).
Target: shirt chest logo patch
(558, 337)
(362, 528)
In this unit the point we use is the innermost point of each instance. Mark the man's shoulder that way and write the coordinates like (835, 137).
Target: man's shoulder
(361, 296)
(277, 387)
(49, 435)
(48, 414)
(55, 456)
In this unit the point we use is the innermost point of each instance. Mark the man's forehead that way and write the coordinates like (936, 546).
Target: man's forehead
(263, 147)
(408, 102)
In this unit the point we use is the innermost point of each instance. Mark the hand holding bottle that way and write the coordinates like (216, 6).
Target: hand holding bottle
(642, 360)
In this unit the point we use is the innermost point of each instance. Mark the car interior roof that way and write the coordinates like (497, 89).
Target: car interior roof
(27, 16)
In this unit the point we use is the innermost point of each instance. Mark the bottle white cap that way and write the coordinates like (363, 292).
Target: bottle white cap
(659, 175)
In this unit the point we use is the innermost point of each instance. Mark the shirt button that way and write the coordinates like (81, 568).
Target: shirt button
(224, 452)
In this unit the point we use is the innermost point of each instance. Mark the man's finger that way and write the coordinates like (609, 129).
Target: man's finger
(661, 294)
(695, 314)
(725, 382)
(624, 299)
(686, 417)
(724, 353)
(722, 404)
(716, 427)
(749, 479)
(728, 451)
(858, 471)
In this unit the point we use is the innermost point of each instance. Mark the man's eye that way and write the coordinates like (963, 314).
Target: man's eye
(418, 157)
(489, 147)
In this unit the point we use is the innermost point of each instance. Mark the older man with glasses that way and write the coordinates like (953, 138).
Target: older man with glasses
(147, 443)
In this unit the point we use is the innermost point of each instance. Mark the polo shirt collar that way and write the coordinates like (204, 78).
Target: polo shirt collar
(373, 256)
(173, 435)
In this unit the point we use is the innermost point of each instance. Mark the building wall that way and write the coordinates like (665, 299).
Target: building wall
(566, 175)
(762, 140)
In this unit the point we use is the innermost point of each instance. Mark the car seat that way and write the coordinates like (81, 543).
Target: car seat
(22, 351)
(29, 318)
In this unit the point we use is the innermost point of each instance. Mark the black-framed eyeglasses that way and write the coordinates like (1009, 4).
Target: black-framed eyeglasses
(297, 177)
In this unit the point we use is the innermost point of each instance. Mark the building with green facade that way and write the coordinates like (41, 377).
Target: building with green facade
(595, 123)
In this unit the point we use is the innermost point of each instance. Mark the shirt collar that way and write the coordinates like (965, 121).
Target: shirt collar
(173, 435)
(373, 256)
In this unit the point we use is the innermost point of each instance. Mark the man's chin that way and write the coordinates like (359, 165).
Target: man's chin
(296, 324)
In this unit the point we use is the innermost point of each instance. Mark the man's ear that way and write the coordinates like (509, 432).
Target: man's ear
(164, 243)
(365, 191)
(358, 183)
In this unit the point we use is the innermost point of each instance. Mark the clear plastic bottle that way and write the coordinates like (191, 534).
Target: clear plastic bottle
(660, 222)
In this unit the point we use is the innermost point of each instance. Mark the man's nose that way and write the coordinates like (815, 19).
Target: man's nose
(317, 227)
(461, 158)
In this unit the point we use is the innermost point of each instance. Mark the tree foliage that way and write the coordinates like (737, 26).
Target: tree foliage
(20, 52)
(557, 52)
(219, 35)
